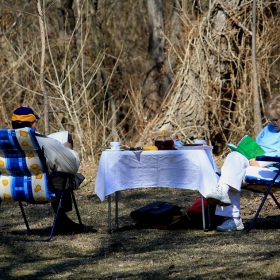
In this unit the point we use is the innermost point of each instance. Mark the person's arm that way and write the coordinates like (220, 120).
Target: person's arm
(253, 162)
(59, 157)
(267, 141)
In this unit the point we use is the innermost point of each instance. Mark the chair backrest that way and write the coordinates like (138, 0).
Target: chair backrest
(24, 175)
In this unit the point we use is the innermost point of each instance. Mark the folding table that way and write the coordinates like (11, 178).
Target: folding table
(191, 167)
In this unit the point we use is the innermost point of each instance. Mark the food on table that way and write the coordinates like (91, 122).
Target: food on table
(150, 148)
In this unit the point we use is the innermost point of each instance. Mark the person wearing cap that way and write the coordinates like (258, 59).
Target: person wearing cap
(59, 157)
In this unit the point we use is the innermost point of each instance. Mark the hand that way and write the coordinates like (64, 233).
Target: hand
(68, 145)
(253, 162)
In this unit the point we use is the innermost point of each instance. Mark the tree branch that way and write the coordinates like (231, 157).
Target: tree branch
(42, 67)
(234, 18)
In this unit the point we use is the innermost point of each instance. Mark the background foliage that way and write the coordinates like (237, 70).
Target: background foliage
(120, 70)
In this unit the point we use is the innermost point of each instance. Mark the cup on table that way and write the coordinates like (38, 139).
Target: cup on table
(115, 145)
(200, 141)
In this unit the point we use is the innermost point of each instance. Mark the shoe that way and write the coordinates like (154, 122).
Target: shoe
(231, 224)
(91, 229)
(218, 197)
(69, 229)
(67, 226)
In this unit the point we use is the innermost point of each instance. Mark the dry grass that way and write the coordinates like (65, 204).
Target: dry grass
(138, 254)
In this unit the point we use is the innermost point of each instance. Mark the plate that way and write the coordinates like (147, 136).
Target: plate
(192, 145)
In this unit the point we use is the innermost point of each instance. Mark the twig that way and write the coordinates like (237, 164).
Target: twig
(234, 18)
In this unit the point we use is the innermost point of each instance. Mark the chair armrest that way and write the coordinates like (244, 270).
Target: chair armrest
(268, 158)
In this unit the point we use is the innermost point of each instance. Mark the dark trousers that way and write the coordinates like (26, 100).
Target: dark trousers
(66, 204)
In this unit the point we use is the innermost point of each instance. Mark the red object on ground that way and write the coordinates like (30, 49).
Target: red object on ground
(196, 207)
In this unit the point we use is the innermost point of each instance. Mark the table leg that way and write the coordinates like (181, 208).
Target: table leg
(203, 214)
(117, 211)
(209, 217)
(109, 213)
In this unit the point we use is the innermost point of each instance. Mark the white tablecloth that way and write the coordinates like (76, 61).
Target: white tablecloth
(183, 169)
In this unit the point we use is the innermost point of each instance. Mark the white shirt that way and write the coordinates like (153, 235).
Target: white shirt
(58, 157)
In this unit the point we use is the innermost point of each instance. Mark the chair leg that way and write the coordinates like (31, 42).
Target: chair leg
(54, 222)
(275, 200)
(76, 207)
(260, 208)
(24, 216)
(56, 216)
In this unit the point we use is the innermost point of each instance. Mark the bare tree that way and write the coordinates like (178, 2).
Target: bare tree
(42, 67)
(197, 76)
(256, 102)
(174, 37)
(153, 80)
(212, 95)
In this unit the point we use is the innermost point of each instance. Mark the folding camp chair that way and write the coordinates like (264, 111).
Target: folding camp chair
(263, 182)
(24, 175)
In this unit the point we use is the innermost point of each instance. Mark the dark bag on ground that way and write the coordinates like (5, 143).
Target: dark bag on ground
(160, 215)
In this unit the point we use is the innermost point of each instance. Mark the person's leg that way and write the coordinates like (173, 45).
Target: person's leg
(231, 213)
(64, 223)
(233, 210)
(227, 194)
(233, 170)
(66, 205)
(232, 174)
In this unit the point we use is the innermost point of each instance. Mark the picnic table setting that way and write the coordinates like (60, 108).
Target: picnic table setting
(166, 164)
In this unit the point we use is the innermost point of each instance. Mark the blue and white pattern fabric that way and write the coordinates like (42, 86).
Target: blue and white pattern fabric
(23, 173)
(258, 179)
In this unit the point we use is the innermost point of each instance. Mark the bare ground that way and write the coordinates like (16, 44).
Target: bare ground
(138, 253)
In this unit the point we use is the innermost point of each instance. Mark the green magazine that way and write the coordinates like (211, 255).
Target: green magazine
(248, 147)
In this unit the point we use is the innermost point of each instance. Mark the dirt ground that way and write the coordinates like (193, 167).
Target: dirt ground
(132, 253)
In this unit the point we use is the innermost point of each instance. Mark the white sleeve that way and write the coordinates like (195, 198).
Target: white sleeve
(264, 163)
(58, 157)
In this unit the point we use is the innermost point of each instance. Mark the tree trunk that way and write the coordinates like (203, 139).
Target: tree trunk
(153, 80)
(170, 62)
(256, 96)
(208, 89)
(42, 67)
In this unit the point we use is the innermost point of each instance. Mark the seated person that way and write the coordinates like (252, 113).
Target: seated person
(227, 194)
(59, 157)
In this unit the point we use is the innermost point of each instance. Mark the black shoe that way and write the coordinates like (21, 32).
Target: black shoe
(67, 226)
(89, 229)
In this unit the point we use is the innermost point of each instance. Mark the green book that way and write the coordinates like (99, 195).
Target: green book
(248, 147)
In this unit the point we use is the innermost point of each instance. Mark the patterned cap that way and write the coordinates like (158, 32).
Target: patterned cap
(24, 114)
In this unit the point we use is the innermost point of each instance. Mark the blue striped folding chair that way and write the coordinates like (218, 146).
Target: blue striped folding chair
(24, 175)
(267, 184)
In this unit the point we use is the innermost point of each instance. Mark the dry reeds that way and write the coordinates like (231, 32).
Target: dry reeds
(97, 95)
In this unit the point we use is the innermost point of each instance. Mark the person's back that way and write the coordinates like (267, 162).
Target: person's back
(59, 157)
